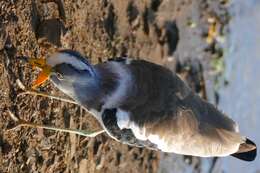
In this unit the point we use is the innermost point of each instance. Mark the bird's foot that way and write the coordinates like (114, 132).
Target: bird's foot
(23, 123)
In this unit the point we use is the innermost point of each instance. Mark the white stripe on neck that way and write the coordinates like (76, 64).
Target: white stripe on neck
(125, 81)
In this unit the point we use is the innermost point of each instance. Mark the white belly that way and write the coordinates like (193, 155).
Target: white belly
(124, 122)
(179, 144)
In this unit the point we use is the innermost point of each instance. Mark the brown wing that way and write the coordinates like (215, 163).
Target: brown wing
(174, 118)
(184, 134)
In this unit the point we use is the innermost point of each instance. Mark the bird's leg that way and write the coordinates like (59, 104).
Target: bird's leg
(38, 93)
(23, 123)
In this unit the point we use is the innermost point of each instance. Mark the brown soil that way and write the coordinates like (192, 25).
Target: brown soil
(171, 33)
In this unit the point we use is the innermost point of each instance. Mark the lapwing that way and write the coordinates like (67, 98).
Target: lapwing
(143, 104)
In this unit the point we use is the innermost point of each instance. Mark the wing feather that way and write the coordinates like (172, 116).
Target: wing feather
(164, 111)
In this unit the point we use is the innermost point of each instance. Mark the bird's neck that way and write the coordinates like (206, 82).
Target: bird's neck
(95, 94)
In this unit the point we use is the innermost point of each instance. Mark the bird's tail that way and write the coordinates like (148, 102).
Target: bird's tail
(247, 151)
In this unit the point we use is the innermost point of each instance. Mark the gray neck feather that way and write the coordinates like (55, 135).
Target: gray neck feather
(93, 94)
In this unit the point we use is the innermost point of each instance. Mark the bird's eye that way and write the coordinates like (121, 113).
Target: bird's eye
(59, 76)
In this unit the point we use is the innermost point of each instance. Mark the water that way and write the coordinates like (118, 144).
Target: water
(241, 98)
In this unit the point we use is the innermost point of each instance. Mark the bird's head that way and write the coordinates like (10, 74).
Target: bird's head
(67, 69)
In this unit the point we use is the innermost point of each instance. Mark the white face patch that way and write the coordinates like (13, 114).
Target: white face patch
(59, 58)
(65, 89)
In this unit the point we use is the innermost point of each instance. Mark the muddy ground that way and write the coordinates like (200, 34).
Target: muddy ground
(180, 34)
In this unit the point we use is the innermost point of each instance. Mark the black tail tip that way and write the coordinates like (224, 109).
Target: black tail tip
(248, 155)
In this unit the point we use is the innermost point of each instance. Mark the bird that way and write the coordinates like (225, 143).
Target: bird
(143, 104)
